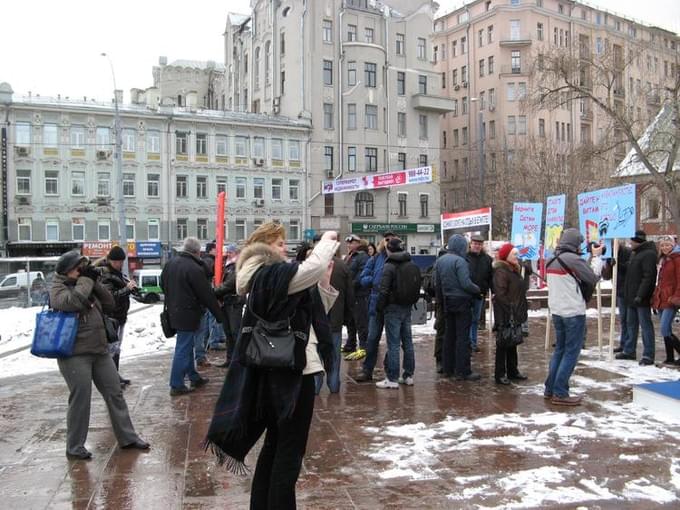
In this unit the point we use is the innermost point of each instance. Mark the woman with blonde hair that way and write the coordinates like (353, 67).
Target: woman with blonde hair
(666, 296)
(279, 401)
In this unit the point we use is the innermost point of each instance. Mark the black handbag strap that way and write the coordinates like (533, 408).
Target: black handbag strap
(576, 278)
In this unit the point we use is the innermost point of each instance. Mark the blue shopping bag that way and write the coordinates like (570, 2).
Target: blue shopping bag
(55, 333)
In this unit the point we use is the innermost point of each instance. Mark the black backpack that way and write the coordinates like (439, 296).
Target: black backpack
(428, 283)
(407, 288)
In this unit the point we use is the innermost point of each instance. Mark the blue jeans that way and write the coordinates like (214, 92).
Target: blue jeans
(200, 337)
(667, 316)
(640, 317)
(398, 331)
(216, 332)
(375, 328)
(474, 324)
(623, 319)
(333, 377)
(569, 333)
(183, 360)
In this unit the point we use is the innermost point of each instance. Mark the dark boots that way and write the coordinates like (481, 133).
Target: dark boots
(672, 343)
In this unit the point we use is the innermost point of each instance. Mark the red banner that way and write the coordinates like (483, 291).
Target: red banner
(219, 237)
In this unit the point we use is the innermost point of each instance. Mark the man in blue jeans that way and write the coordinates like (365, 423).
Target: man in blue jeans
(399, 290)
(481, 273)
(568, 309)
(187, 292)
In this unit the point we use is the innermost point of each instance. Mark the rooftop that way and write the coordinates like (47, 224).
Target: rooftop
(198, 64)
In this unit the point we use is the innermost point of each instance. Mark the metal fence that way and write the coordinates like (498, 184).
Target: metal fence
(24, 281)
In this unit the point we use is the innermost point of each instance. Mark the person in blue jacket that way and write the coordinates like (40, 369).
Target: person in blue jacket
(370, 279)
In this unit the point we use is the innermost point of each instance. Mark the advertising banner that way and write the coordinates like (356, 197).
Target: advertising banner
(387, 180)
(149, 249)
(468, 220)
(554, 223)
(96, 249)
(526, 228)
(607, 214)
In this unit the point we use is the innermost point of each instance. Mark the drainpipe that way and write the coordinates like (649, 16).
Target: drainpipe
(469, 108)
(341, 59)
(170, 169)
(302, 56)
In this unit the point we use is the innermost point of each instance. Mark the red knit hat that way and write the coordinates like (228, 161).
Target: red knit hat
(504, 251)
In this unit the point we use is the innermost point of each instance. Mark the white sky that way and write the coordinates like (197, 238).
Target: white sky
(51, 47)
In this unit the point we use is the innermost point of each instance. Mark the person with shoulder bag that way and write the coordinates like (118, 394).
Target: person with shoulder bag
(510, 312)
(257, 397)
(666, 296)
(76, 288)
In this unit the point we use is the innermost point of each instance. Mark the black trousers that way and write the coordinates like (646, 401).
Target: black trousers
(456, 347)
(358, 324)
(280, 460)
(439, 328)
(506, 362)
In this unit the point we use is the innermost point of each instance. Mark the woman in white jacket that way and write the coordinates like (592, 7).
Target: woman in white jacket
(278, 401)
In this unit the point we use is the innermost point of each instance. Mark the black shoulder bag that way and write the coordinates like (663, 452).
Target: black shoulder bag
(168, 330)
(585, 288)
(510, 333)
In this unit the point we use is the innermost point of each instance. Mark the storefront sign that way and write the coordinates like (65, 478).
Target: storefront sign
(148, 249)
(397, 228)
(468, 220)
(96, 249)
(402, 178)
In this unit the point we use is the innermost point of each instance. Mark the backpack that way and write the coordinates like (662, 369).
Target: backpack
(408, 279)
(428, 283)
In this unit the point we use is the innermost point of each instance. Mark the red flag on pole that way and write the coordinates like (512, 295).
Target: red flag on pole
(219, 237)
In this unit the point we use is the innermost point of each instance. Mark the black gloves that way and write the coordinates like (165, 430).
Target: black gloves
(90, 272)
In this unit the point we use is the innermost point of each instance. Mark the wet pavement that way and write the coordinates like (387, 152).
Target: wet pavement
(438, 444)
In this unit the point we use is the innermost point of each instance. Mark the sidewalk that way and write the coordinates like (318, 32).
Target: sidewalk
(438, 444)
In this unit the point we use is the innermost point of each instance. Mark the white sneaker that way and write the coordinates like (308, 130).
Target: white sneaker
(408, 381)
(387, 384)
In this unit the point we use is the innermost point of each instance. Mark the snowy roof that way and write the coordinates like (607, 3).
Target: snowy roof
(197, 64)
(236, 18)
(656, 142)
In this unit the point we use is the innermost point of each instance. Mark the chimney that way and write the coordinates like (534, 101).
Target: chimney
(118, 95)
(162, 61)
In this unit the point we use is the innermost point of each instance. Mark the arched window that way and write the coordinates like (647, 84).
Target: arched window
(267, 62)
(363, 205)
(256, 68)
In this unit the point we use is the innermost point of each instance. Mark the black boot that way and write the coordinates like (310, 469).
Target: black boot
(675, 344)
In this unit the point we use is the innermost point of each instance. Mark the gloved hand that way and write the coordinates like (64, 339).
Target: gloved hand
(637, 301)
(90, 272)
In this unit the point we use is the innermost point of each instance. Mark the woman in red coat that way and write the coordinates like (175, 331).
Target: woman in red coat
(666, 297)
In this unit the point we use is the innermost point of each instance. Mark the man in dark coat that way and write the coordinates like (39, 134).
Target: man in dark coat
(232, 303)
(187, 294)
(622, 260)
(481, 274)
(357, 256)
(638, 289)
(212, 334)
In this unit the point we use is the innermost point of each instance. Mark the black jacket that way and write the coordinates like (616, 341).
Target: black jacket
(641, 275)
(622, 261)
(356, 264)
(388, 282)
(341, 280)
(209, 263)
(114, 281)
(187, 292)
(481, 272)
(226, 292)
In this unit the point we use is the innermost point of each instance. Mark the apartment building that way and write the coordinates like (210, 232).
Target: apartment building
(486, 53)
(61, 181)
(362, 72)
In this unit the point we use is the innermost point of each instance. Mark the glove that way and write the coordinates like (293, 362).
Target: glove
(90, 272)
(637, 301)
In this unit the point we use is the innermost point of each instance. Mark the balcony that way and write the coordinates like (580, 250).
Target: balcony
(515, 40)
(510, 69)
(438, 104)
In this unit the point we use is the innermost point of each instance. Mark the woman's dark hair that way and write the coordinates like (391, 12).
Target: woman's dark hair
(375, 250)
(301, 251)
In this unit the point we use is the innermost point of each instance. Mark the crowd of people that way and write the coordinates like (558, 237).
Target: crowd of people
(366, 289)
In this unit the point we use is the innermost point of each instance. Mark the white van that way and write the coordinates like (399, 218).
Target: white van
(20, 280)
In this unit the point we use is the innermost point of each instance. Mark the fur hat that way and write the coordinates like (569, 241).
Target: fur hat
(504, 251)
(68, 261)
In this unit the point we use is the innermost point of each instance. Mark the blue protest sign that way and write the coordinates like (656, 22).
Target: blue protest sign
(554, 222)
(607, 214)
(526, 228)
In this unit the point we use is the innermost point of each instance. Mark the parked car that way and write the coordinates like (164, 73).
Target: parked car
(14, 284)
(149, 285)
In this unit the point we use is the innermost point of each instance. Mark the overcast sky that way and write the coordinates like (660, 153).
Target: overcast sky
(49, 47)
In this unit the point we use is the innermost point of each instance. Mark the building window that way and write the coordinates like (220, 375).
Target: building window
(422, 49)
(400, 44)
(294, 230)
(464, 104)
(351, 159)
(181, 143)
(422, 84)
(492, 129)
(402, 200)
(294, 189)
(515, 62)
(181, 186)
(153, 142)
(129, 140)
(463, 45)
(103, 185)
(77, 184)
(103, 230)
(241, 232)
(78, 229)
(201, 187)
(464, 132)
(328, 205)
(258, 147)
(521, 90)
(128, 185)
(401, 160)
(25, 228)
(522, 125)
(221, 145)
(328, 73)
(51, 230)
(541, 128)
(351, 73)
(293, 150)
(401, 83)
(103, 135)
(424, 205)
(492, 97)
(50, 137)
(489, 34)
(328, 160)
(240, 187)
(480, 38)
(463, 74)
(77, 137)
(456, 138)
(481, 68)
(153, 227)
(371, 116)
(327, 29)
(363, 205)
(512, 129)
(241, 146)
(351, 116)
(422, 160)
(277, 184)
(422, 124)
(370, 74)
(369, 35)
(401, 124)
(539, 31)
(351, 33)
(443, 80)
(511, 91)
(201, 143)
(153, 185)
(277, 148)
(327, 116)
(221, 185)
(371, 157)
(130, 229)
(51, 183)
(182, 228)
(258, 187)
(202, 228)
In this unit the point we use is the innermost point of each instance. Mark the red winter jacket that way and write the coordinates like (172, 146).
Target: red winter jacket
(667, 292)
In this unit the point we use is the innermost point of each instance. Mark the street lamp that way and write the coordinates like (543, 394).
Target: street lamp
(482, 161)
(118, 158)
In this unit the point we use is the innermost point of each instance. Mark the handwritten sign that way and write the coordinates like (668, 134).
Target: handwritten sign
(468, 220)
(527, 219)
(554, 222)
(607, 214)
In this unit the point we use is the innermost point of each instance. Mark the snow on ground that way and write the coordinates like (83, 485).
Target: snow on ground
(143, 335)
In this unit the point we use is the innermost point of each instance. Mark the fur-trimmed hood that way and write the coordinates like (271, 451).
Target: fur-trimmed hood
(503, 264)
(251, 259)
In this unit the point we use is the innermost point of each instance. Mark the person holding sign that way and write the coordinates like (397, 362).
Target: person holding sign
(666, 297)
